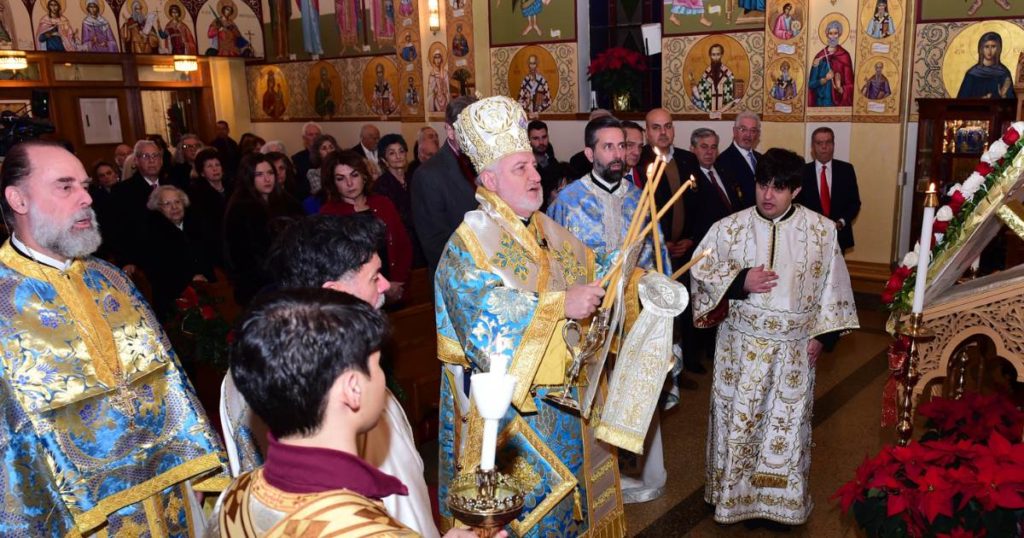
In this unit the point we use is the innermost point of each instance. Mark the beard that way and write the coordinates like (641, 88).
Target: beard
(61, 237)
(609, 175)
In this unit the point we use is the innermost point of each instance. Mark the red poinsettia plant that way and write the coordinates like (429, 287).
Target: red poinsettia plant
(964, 478)
(960, 201)
(199, 332)
(616, 70)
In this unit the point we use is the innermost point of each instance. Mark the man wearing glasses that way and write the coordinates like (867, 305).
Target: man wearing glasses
(130, 197)
(737, 162)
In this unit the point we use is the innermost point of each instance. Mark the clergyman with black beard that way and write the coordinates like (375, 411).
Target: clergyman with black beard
(80, 336)
(598, 210)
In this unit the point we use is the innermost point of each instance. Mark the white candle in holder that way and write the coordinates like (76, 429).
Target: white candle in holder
(924, 248)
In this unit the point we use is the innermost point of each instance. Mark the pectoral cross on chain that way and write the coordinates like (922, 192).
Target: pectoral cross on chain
(124, 400)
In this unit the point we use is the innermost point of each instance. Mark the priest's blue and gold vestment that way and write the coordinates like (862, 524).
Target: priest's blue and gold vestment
(102, 433)
(500, 291)
(600, 219)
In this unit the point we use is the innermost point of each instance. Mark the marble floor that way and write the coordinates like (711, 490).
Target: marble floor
(846, 429)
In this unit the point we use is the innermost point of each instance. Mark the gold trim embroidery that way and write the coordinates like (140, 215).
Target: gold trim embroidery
(97, 516)
(558, 491)
(450, 351)
(769, 480)
(527, 358)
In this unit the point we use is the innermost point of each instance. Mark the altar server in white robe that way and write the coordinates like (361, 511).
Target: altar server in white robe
(776, 282)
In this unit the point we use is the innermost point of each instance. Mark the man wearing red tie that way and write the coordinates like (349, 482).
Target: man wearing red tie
(634, 146)
(830, 186)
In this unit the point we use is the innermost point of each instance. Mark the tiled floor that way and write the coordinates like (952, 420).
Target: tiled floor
(846, 429)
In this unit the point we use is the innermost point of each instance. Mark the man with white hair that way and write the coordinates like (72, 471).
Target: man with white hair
(507, 280)
(130, 197)
(738, 161)
(102, 432)
(303, 159)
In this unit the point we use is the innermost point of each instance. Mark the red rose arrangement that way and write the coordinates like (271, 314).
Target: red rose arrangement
(964, 478)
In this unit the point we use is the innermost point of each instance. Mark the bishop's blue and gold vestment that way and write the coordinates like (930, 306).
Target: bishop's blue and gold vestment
(500, 291)
(102, 434)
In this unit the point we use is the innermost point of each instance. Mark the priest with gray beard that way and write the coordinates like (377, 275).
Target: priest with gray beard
(100, 423)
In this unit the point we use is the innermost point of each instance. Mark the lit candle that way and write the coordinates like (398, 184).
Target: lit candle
(931, 201)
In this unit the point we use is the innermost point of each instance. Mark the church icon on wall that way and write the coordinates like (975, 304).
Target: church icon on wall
(989, 78)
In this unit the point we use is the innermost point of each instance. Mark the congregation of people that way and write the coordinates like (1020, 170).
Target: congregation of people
(314, 244)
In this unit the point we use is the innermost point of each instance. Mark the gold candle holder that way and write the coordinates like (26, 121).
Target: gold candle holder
(914, 329)
(487, 501)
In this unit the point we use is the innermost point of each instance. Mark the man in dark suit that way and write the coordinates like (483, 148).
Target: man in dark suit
(830, 186)
(634, 134)
(716, 196)
(302, 160)
(443, 189)
(661, 136)
(369, 135)
(738, 161)
(129, 197)
(226, 148)
(552, 172)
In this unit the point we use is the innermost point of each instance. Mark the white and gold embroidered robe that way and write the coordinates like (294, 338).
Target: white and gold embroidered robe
(759, 438)
(500, 291)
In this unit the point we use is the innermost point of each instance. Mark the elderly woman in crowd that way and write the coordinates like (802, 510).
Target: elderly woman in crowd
(393, 183)
(183, 169)
(347, 193)
(257, 210)
(173, 257)
(209, 192)
(323, 145)
(273, 146)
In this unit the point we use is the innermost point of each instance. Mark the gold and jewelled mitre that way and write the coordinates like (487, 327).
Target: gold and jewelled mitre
(490, 129)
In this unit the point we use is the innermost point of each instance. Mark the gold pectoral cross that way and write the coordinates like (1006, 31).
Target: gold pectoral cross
(123, 399)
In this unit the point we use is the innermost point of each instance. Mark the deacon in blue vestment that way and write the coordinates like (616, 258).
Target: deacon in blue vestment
(102, 433)
(598, 210)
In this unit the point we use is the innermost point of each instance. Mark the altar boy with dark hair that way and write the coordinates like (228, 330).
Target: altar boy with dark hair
(776, 282)
(308, 361)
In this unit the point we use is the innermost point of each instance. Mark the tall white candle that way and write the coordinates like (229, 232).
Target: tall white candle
(924, 250)
(489, 446)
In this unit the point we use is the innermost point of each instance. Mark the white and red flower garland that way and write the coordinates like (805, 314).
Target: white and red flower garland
(950, 218)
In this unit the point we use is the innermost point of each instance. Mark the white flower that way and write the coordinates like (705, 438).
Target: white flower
(997, 150)
(944, 214)
(972, 185)
(1018, 126)
(986, 158)
(910, 260)
(955, 188)
(938, 238)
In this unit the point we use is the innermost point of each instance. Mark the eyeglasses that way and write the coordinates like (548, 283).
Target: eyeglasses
(171, 203)
(192, 146)
(149, 156)
(751, 130)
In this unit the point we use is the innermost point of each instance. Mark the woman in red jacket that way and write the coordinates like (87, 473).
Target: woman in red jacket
(346, 182)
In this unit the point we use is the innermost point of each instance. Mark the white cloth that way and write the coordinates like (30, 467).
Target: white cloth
(389, 446)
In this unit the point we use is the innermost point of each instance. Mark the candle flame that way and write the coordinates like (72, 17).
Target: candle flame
(931, 188)
(706, 252)
(650, 170)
